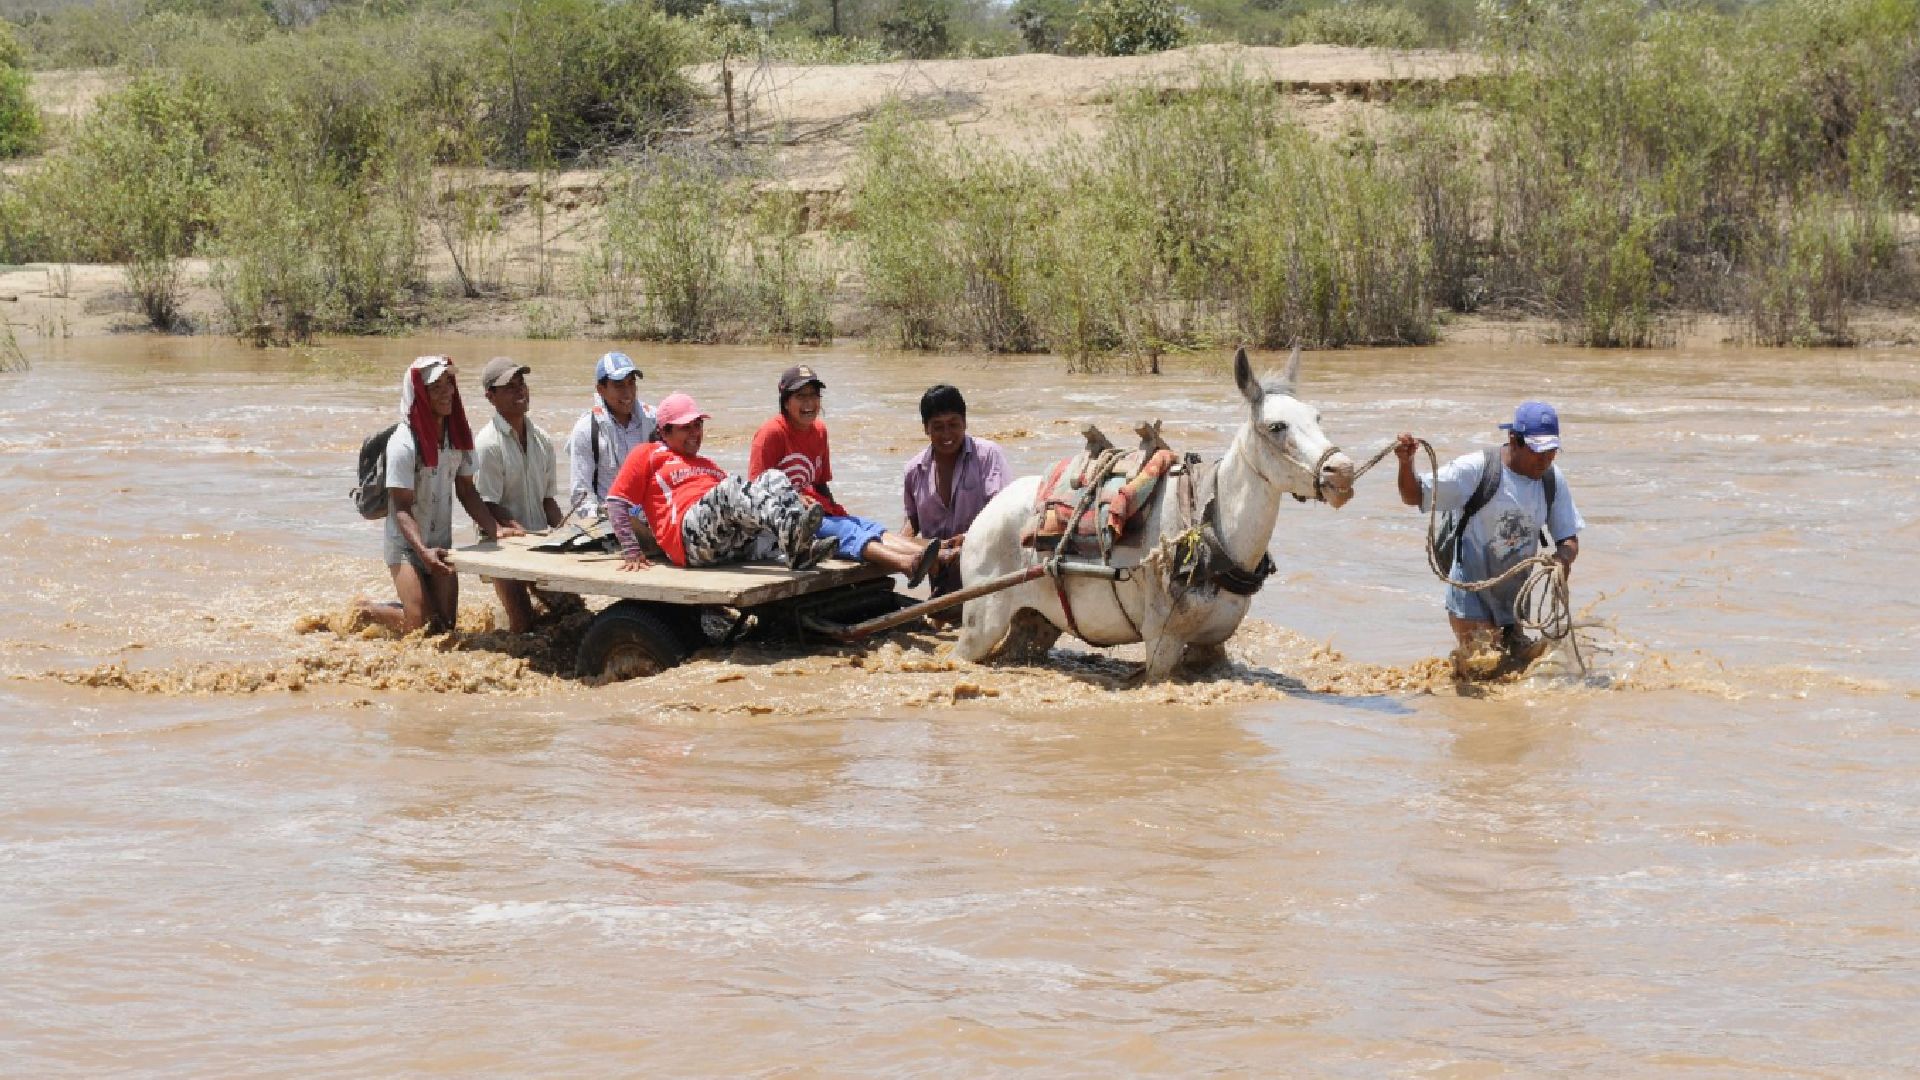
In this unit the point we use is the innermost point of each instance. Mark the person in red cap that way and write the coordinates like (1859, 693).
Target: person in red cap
(430, 461)
(795, 443)
(1503, 501)
(700, 516)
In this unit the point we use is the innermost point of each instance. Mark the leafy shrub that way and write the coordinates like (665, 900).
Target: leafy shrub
(601, 72)
(298, 249)
(19, 119)
(1127, 27)
(1361, 26)
(918, 28)
(663, 266)
(1434, 153)
(1043, 24)
(1812, 266)
(900, 201)
(1331, 252)
(789, 281)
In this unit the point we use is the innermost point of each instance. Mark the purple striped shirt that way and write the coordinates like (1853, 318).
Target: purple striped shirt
(977, 477)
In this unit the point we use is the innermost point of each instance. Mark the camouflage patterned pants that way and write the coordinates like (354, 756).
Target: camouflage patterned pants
(738, 521)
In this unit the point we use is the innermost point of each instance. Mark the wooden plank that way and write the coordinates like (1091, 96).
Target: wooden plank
(738, 585)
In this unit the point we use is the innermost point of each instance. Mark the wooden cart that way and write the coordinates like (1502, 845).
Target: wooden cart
(661, 614)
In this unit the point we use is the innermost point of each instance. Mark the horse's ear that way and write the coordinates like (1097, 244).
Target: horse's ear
(1243, 377)
(1293, 369)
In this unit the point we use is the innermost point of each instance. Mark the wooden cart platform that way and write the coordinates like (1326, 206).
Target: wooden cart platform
(739, 585)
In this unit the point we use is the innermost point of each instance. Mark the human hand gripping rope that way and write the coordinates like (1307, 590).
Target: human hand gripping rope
(1545, 589)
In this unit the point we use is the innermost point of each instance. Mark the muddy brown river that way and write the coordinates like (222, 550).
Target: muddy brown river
(234, 842)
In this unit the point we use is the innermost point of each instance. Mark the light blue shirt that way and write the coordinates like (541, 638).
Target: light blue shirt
(1504, 532)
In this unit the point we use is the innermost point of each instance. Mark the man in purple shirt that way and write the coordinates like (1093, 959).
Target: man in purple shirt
(950, 482)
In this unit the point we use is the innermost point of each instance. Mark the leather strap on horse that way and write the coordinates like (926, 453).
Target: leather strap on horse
(1200, 554)
(1097, 471)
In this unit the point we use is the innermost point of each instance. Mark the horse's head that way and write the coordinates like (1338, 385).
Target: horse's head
(1290, 450)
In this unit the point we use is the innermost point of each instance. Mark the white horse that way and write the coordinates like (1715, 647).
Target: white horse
(1279, 451)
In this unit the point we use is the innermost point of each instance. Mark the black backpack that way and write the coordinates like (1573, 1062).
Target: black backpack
(1453, 524)
(370, 496)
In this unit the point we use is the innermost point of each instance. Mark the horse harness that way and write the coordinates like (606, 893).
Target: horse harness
(1200, 557)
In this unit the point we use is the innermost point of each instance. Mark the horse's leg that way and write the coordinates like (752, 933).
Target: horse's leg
(1164, 649)
(1199, 657)
(1031, 637)
(983, 628)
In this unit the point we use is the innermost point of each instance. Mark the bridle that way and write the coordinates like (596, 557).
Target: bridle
(1280, 447)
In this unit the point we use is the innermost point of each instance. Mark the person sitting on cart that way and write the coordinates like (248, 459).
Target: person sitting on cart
(701, 516)
(947, 484)
(795, 443)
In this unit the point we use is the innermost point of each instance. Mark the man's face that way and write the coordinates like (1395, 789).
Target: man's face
(619, 393)
(946, 432)
(440, 395)
(685, 439)
(510, 399)
(1530, 463)
(803, 405)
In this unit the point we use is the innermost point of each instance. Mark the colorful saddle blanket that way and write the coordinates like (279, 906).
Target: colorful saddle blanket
(1123, 493)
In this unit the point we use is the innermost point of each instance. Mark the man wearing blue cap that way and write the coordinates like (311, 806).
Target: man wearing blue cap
(1502, 498)
(601, 440)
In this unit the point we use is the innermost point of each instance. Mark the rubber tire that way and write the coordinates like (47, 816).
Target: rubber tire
(630, 640)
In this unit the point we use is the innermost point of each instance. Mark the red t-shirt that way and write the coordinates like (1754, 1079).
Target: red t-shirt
(664, 484)
(799, 452)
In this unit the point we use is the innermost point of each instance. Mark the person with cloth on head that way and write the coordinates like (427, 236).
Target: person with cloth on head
(795, 443)
(947, 484)
(1527, 495)
(700, 516)
(430, 460)
(617, 422)
(513, 472)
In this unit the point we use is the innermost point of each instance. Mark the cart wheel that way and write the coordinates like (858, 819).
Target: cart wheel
(627, 641)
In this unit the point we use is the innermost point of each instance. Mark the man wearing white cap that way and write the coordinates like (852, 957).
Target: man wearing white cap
(514, 472)
(1503, 498)
(617, 422)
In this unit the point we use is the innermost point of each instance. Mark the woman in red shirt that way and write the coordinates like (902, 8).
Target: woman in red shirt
(794, 443)
(699, 515)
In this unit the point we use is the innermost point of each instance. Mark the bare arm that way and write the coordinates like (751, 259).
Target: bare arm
(555, 515)
(476, 508)
(501, 516)
(1408, 483)
(1566, 551)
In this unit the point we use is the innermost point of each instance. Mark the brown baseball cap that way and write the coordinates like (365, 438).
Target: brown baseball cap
(798, 376)
(500, 371)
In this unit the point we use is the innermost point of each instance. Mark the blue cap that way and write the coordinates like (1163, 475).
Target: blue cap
(1538, 424)
(614, 366)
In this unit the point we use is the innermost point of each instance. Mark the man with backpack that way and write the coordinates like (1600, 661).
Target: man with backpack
(1497, 502)
(429, 460)
(617, 422)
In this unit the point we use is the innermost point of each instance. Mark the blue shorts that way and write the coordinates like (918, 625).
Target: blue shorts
(853, 533)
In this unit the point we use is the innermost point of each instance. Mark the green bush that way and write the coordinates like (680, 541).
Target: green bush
(1043, 24)
(1331, 252)
(19, 119)
(602, 72)
(918, 28)
(664, 267)
(1363, 26)
(900, 201)
(789, 277)
(1126, 27)
(1812, 266)
(1435, 154)
(298, 248)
